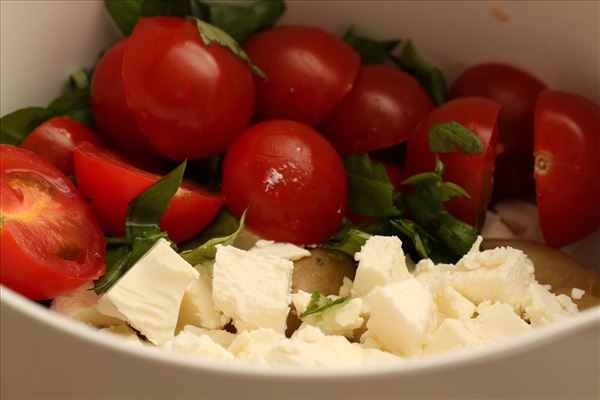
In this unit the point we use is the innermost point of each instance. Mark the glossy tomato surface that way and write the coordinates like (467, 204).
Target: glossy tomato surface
(56, 139)
(111, 183)
(473, 172)
(516, 91)
(50, 239)
(291, 180)
(112, 118)
(309, 71)
(382, 109)
(567, 161)
(190, 100)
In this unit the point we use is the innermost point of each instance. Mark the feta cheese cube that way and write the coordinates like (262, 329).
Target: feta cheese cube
(220, 336)
(577, 294)
(403, 315)
(452, 334)
(149, 295)
(255, 346)
(543, 307)
(81, 304)
(346, 288)
(187, 342)
(125, 332)
(252, 290)
(281, 250)
(450, 303)
(496, 320)
(380, 262)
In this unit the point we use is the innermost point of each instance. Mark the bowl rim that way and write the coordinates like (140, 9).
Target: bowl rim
(500, 349)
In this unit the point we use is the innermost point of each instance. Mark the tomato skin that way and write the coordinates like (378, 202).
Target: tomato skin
(309, 71)
(567, 154)
(517, 92)
(382, 109)
(190, 100)
(474, 173)
(50, 241)
(291, 180)
(111, 183)
(112, 117)
(56, 139)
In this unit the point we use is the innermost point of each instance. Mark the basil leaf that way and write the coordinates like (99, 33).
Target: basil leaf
(418, 237)
(211, 34)
(173, 8)
(208, 250)
(71, 101)
(224, 224)
(450, 190)
(370, 192)
(319, 304)
(452, 136)
(15, 127)
(348, 241)
(371, 51)
(423, 178)
(429, 75)
(124, 13)
(80, 79)
(242, 21)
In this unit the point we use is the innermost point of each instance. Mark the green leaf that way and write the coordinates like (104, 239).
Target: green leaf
(371, 51)
(348, 240)
(71, 101)
(15, 127)
(224, 224)
(125, 13)
(242, 21)
(172, 8)
(80, 79)
(211, 34)
(370, 192)
(208, 250)
(418, 236)
(450, 190)
(429, 75)
(320, 304)
(423, 178)
(452, 136)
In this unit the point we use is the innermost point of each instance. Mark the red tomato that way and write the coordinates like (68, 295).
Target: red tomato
(111, 183)
(381, 110)
(50, 240)
(56, 139)
(517, 92)
(290, 178)
(473, 172)
(190, 100)
(309, 71)
(113, 119)
(567, 161)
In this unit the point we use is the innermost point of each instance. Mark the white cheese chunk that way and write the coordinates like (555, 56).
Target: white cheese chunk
(496, 320)
(149, 295)
(543, 307)
(281, 250)
(220, 336)
(125, 332)
(577, 294)
(346, 288)
(452, 334)
(81, 304)
(450, 303)
(189, 343)
(252, 290)
(403, 315)
(255, 346)
(373, 356)
(381, 262)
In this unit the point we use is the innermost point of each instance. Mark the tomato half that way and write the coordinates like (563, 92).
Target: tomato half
(112, 117)
(56, 139)
(50, 239)
(516, 91)
(111, 183)
(309, 71)
(382, 109)
(190, 100)
(567, 161)
(473, 172)
(291, 180)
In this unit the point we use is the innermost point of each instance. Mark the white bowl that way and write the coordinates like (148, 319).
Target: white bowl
(44, 355)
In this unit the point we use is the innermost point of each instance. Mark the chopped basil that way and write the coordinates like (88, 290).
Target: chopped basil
(452, 136)
(15, 127)
(125, 13)
(418, 237)
(371, 51)
(348, 240)
(320, 304)
(172, 8)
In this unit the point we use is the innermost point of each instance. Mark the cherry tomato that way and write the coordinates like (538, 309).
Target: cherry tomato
(517, 92)
(50, 240)
(291, 180)
(111, 183)
(309, 71)
(381, 110)
(112, 117)
(473, 172)
(56, 139)
(567, 161)
(190, 100)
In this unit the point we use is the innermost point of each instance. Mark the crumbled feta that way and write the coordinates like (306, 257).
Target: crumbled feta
(81, 304)
(187, 342)
(497, 320)
(220, 336)
(125, 332)
(543, 307)
(255, 346)
(280, 250)
(252, 290)
(452, 334)
(450, 303)
(346, 288)
(380, 262)
(577, 294)
(149, 295)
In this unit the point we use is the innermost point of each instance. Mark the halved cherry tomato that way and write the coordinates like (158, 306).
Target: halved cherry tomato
(382, 109)
(56, 139)
(50, 239)
(291, 180)
(309, 71)
(111, 183)
(516, 91)
(567, 161)
(474, 173)
(112, 117)
(190, 100)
